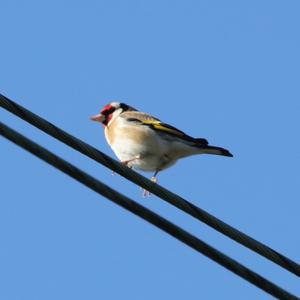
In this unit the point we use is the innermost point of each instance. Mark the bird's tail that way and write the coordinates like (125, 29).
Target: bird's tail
(216, 151)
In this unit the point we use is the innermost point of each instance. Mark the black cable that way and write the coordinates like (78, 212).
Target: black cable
(145, 183)
(145, 213)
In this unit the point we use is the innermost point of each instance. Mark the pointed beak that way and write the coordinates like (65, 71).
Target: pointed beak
(98, 118)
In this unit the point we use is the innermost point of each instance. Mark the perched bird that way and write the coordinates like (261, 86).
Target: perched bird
(142, 141)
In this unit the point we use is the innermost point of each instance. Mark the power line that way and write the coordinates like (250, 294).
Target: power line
(145, 214)
(156, 189)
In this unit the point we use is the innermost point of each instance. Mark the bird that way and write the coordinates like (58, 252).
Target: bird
(143, 142)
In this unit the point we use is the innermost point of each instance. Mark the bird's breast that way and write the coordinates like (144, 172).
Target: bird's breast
(129, 142)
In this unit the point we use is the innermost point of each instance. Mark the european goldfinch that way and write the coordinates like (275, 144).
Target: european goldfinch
(143, 142)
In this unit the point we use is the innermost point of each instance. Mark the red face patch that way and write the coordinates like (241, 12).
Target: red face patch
(107, 111)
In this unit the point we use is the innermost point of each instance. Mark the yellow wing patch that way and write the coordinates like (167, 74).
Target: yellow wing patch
(156, 124)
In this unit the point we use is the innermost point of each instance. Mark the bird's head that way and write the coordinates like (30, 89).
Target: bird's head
(110, 111)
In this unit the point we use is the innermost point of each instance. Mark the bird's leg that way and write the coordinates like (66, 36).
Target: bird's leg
(127, 162)
(154, 180)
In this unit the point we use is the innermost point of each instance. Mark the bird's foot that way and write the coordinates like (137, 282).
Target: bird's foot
(128, 161)
(154, 179)
(125, 163)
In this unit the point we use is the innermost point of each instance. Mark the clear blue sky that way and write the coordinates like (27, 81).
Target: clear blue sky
(224, 70)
